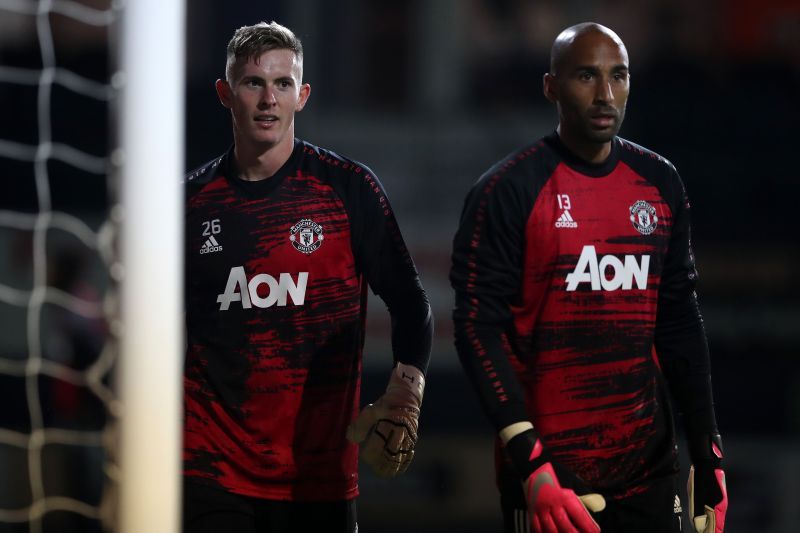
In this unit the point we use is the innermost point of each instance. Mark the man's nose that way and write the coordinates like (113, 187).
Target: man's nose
(604, 92)
(268, 97)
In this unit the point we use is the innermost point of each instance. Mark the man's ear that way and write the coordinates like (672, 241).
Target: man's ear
(549, 87)
(224, 92)
(305, 92)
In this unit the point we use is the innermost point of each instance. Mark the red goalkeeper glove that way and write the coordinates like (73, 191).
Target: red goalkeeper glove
(708, 495)
(558, 501)
(387, 429)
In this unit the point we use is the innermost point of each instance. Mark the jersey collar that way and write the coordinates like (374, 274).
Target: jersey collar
(595, 170)
(265, 186)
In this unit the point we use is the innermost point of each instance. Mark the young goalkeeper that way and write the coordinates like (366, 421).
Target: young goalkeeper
(282, 240)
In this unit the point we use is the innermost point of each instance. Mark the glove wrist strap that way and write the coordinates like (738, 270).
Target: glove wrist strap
(407, 378)
(526, 452)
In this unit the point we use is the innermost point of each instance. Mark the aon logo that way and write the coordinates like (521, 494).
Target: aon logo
(623, 274)
(239, 289)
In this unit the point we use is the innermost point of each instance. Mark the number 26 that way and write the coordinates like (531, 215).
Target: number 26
(211, 227)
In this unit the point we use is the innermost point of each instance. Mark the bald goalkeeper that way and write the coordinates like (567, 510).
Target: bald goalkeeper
(576, 317)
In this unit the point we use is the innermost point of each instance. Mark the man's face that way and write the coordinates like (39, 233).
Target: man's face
(590, 88)
(263, 98)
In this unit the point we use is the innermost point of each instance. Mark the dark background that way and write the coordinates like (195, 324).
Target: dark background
(430, 93)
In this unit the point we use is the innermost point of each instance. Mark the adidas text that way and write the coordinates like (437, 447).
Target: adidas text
(590, 270)
(239, 289)
(566, 221)
(211, 245)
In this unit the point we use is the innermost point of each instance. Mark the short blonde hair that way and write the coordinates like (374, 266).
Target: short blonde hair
(249, 42)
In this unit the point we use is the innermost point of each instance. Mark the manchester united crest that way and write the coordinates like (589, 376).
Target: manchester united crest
(643, 217)
(306, 236)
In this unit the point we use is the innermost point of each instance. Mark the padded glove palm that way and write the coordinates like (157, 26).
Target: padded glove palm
(387, 429)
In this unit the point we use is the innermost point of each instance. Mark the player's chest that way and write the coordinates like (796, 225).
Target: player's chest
(293, 229)
(614, 224)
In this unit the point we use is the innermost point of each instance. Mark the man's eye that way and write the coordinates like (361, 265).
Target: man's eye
(586, 76)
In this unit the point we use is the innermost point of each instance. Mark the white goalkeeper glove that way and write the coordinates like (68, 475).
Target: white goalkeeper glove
(387, 429)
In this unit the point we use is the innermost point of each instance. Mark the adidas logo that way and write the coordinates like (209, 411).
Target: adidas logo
(677, 505)
(566, 221)
(211, 245)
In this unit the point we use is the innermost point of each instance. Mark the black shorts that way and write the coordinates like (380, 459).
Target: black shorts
(211, 510)
(656, 510)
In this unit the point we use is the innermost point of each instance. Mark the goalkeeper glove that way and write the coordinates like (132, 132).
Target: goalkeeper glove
(708, 495)
(387, 429)
(551, 491)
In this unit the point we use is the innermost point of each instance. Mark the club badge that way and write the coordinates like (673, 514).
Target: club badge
(306, 236)
(643, 217)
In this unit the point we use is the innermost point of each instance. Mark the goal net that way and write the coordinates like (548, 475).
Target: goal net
(90, 270)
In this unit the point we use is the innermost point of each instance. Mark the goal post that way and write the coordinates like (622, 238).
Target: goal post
(150, 166)
(66, 422)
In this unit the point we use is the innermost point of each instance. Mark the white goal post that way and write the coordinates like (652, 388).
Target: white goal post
(150, 158)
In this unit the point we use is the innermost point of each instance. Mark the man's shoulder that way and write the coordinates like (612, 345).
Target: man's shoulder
(204, 172)
(329, 162)
(636, 154)
(532, 162)
(654, 168)
(516, 179)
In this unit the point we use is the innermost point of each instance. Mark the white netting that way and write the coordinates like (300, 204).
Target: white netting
(59, 412)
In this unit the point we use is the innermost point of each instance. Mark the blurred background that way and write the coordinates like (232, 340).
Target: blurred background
(429, 94)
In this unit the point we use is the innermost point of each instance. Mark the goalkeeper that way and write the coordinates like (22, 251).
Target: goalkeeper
(576, 317)
(283, 240)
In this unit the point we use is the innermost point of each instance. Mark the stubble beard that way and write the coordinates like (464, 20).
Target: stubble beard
(602, 137)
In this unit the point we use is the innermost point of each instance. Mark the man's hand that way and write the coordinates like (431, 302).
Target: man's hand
(387, 429)
(551, 491)
(708, 494)
(554, 508)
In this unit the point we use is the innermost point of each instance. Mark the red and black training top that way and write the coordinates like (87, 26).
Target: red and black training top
(276, 278)
(574, 297)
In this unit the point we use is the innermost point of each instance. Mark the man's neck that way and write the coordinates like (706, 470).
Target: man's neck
(590, 152)
(256, 163)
